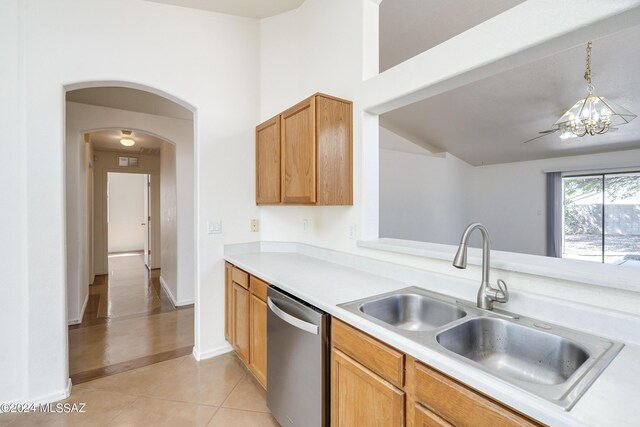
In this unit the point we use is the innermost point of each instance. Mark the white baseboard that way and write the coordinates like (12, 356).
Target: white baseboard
(168, 292)
(208, 354)
(53, 397)
(78, 320)
(175, 302)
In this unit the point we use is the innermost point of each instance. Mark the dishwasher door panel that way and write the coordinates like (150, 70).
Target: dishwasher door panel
(297, 370)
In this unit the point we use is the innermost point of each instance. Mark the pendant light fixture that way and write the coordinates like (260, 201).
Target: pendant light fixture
(126, 139)
(592, 115)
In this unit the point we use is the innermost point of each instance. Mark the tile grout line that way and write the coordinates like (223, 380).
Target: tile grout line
(122, 409)
(233, 389)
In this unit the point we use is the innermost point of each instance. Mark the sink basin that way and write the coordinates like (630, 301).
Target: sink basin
(515, 351)
(412, 311)
(550, 361)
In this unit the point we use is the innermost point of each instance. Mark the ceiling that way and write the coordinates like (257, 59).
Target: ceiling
(486, 122)
(109, 140)
(410, 27)
(129, 99)
(248, 8)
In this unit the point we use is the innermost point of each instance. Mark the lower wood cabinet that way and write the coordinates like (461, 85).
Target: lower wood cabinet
(241, 321)
(246, 319)
(374, 384)
(258, 329)
(360, 398)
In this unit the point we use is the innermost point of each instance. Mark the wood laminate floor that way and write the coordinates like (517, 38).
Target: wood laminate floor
(129, 322)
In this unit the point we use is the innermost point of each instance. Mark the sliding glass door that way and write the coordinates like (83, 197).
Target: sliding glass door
(601, 218)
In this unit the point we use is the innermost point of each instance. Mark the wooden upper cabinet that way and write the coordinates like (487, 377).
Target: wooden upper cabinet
(299, 153)
(315, 146)
(268, 162)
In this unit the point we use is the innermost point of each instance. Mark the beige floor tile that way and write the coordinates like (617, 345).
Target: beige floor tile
(248, 395)
(7, 418)
(100, 408)
(226, 417)
(135, 381)
(157, 413)
(208, 382)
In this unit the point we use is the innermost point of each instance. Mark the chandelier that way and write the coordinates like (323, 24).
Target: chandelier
(592, 115)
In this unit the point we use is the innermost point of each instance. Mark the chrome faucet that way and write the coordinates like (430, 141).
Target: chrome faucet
(487, 294)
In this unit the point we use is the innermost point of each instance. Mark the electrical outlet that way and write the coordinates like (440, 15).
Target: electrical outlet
(305, 225)
(214, 227)
(254, 225)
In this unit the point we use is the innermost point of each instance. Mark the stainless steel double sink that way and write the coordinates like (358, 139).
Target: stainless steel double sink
(552, 362)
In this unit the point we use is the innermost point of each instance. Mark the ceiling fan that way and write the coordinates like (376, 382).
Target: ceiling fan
(592, 115)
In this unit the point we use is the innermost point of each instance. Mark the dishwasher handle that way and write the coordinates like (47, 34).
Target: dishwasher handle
(292, 320)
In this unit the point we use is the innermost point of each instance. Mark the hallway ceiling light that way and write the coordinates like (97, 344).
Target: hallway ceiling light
(127, 140)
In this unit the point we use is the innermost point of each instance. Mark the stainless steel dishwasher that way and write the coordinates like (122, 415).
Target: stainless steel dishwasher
(297, 361)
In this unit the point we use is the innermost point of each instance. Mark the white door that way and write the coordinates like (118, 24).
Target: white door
(147, 222)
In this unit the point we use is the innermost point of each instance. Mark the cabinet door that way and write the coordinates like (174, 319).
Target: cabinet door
(241, 321)
(299, 153)
(268, 162)
(228, 303)
(258, 335)
(426, 418)
(360, 398)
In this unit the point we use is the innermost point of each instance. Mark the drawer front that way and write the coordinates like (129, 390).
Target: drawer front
(240, 277)
(459, 405)
(258, 288)
(375, 355)
(426, 418)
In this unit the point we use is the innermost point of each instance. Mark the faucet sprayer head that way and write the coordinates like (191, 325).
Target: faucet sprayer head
(460, 260)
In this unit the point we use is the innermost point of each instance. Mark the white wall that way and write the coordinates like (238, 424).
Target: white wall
(14, 290)
(168, 218)
(78, 168)
(126, 211)
(208, 60)
(422, 196)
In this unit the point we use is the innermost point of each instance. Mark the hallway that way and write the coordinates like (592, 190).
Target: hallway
(129, 322)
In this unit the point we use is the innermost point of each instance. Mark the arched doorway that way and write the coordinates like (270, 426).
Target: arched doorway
(102, 112)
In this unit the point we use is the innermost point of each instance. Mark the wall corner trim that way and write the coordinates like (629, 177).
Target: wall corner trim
(208, 354)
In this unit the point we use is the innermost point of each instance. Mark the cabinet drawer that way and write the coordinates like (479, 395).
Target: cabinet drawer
(375, 355)
(258, 288)
(426, 418)
(460, 405)
(240, 277)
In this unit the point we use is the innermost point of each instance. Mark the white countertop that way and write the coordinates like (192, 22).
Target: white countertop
(611, 400)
